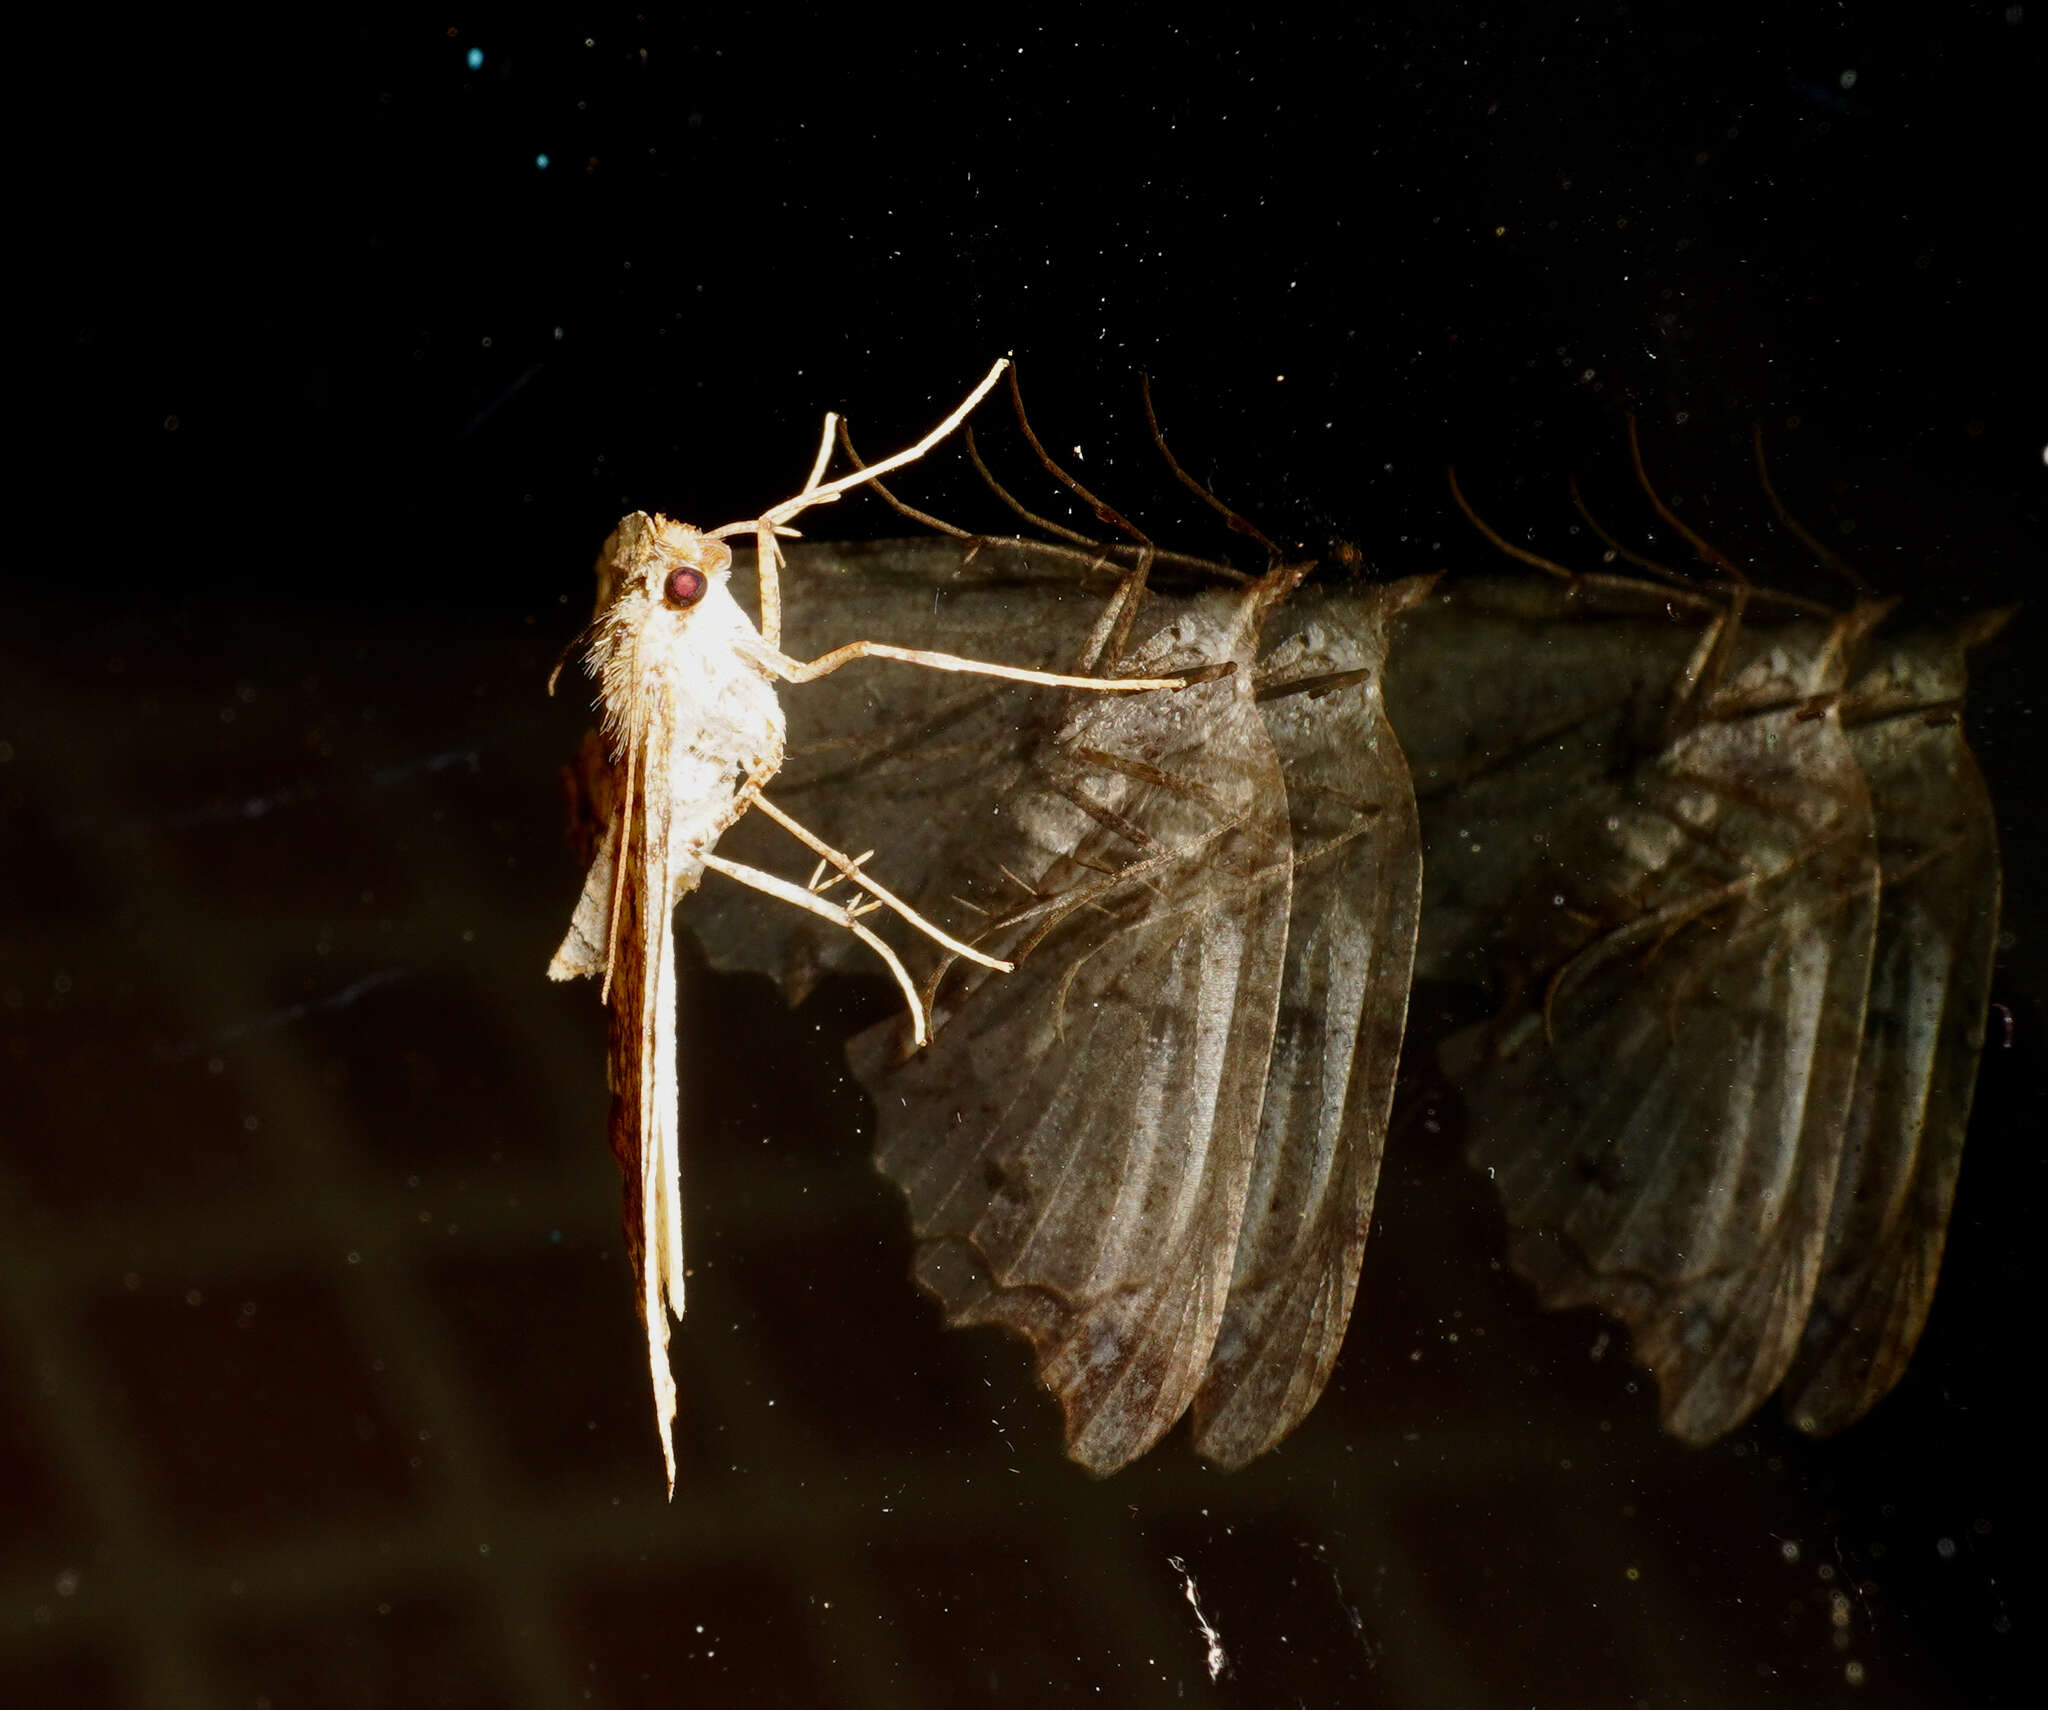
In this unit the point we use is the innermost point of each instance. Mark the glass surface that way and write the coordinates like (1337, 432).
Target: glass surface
(319, 1377)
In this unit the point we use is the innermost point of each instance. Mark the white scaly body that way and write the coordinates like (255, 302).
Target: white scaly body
(694, 734)
(690, 714)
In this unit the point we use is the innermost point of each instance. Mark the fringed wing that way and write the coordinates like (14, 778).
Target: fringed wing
(1929, 991)
(1343, 1004)
(1075, 1142)
(1662, 1108)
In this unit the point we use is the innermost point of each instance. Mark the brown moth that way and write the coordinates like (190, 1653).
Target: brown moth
(694, 734)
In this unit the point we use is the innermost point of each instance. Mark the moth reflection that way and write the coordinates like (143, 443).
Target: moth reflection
(1731, 877)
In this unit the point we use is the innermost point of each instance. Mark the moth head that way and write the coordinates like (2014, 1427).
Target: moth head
(673, 566)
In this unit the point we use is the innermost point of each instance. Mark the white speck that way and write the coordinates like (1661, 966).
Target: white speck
(1215, 1658)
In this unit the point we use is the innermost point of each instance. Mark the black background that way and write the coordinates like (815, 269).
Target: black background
(312, 276)
(338, 354)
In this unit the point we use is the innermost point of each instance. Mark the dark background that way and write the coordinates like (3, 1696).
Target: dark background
(317, 1371)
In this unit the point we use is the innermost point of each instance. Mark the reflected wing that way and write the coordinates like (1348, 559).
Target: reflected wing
(1343, 1004)
(1929, 991)
(1662, 1111)
(1075, 1142)
(880, 753)
(1512, 698)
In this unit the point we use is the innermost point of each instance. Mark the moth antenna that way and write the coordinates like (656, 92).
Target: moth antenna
(1826, 554)
(776, 515)
(1101, 507)
(1708, 552)
(1238, 523)
(1677, 578)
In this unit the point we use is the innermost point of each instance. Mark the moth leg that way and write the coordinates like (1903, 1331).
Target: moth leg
(1113, 629)
(768, 576)
(1664, 923)
(846, 915)
(1316, 687)
(796, 671)
(749, 795)
(852, 869)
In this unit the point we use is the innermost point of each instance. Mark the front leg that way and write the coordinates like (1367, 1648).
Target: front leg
(796, 671)
(850, 867)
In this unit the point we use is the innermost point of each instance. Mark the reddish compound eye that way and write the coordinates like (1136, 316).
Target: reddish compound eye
(686, 587)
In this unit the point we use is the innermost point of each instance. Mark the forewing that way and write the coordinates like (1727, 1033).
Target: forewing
(1075, 1142)
(1343, 1004)
(1929, 991)
(1662, 1106)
